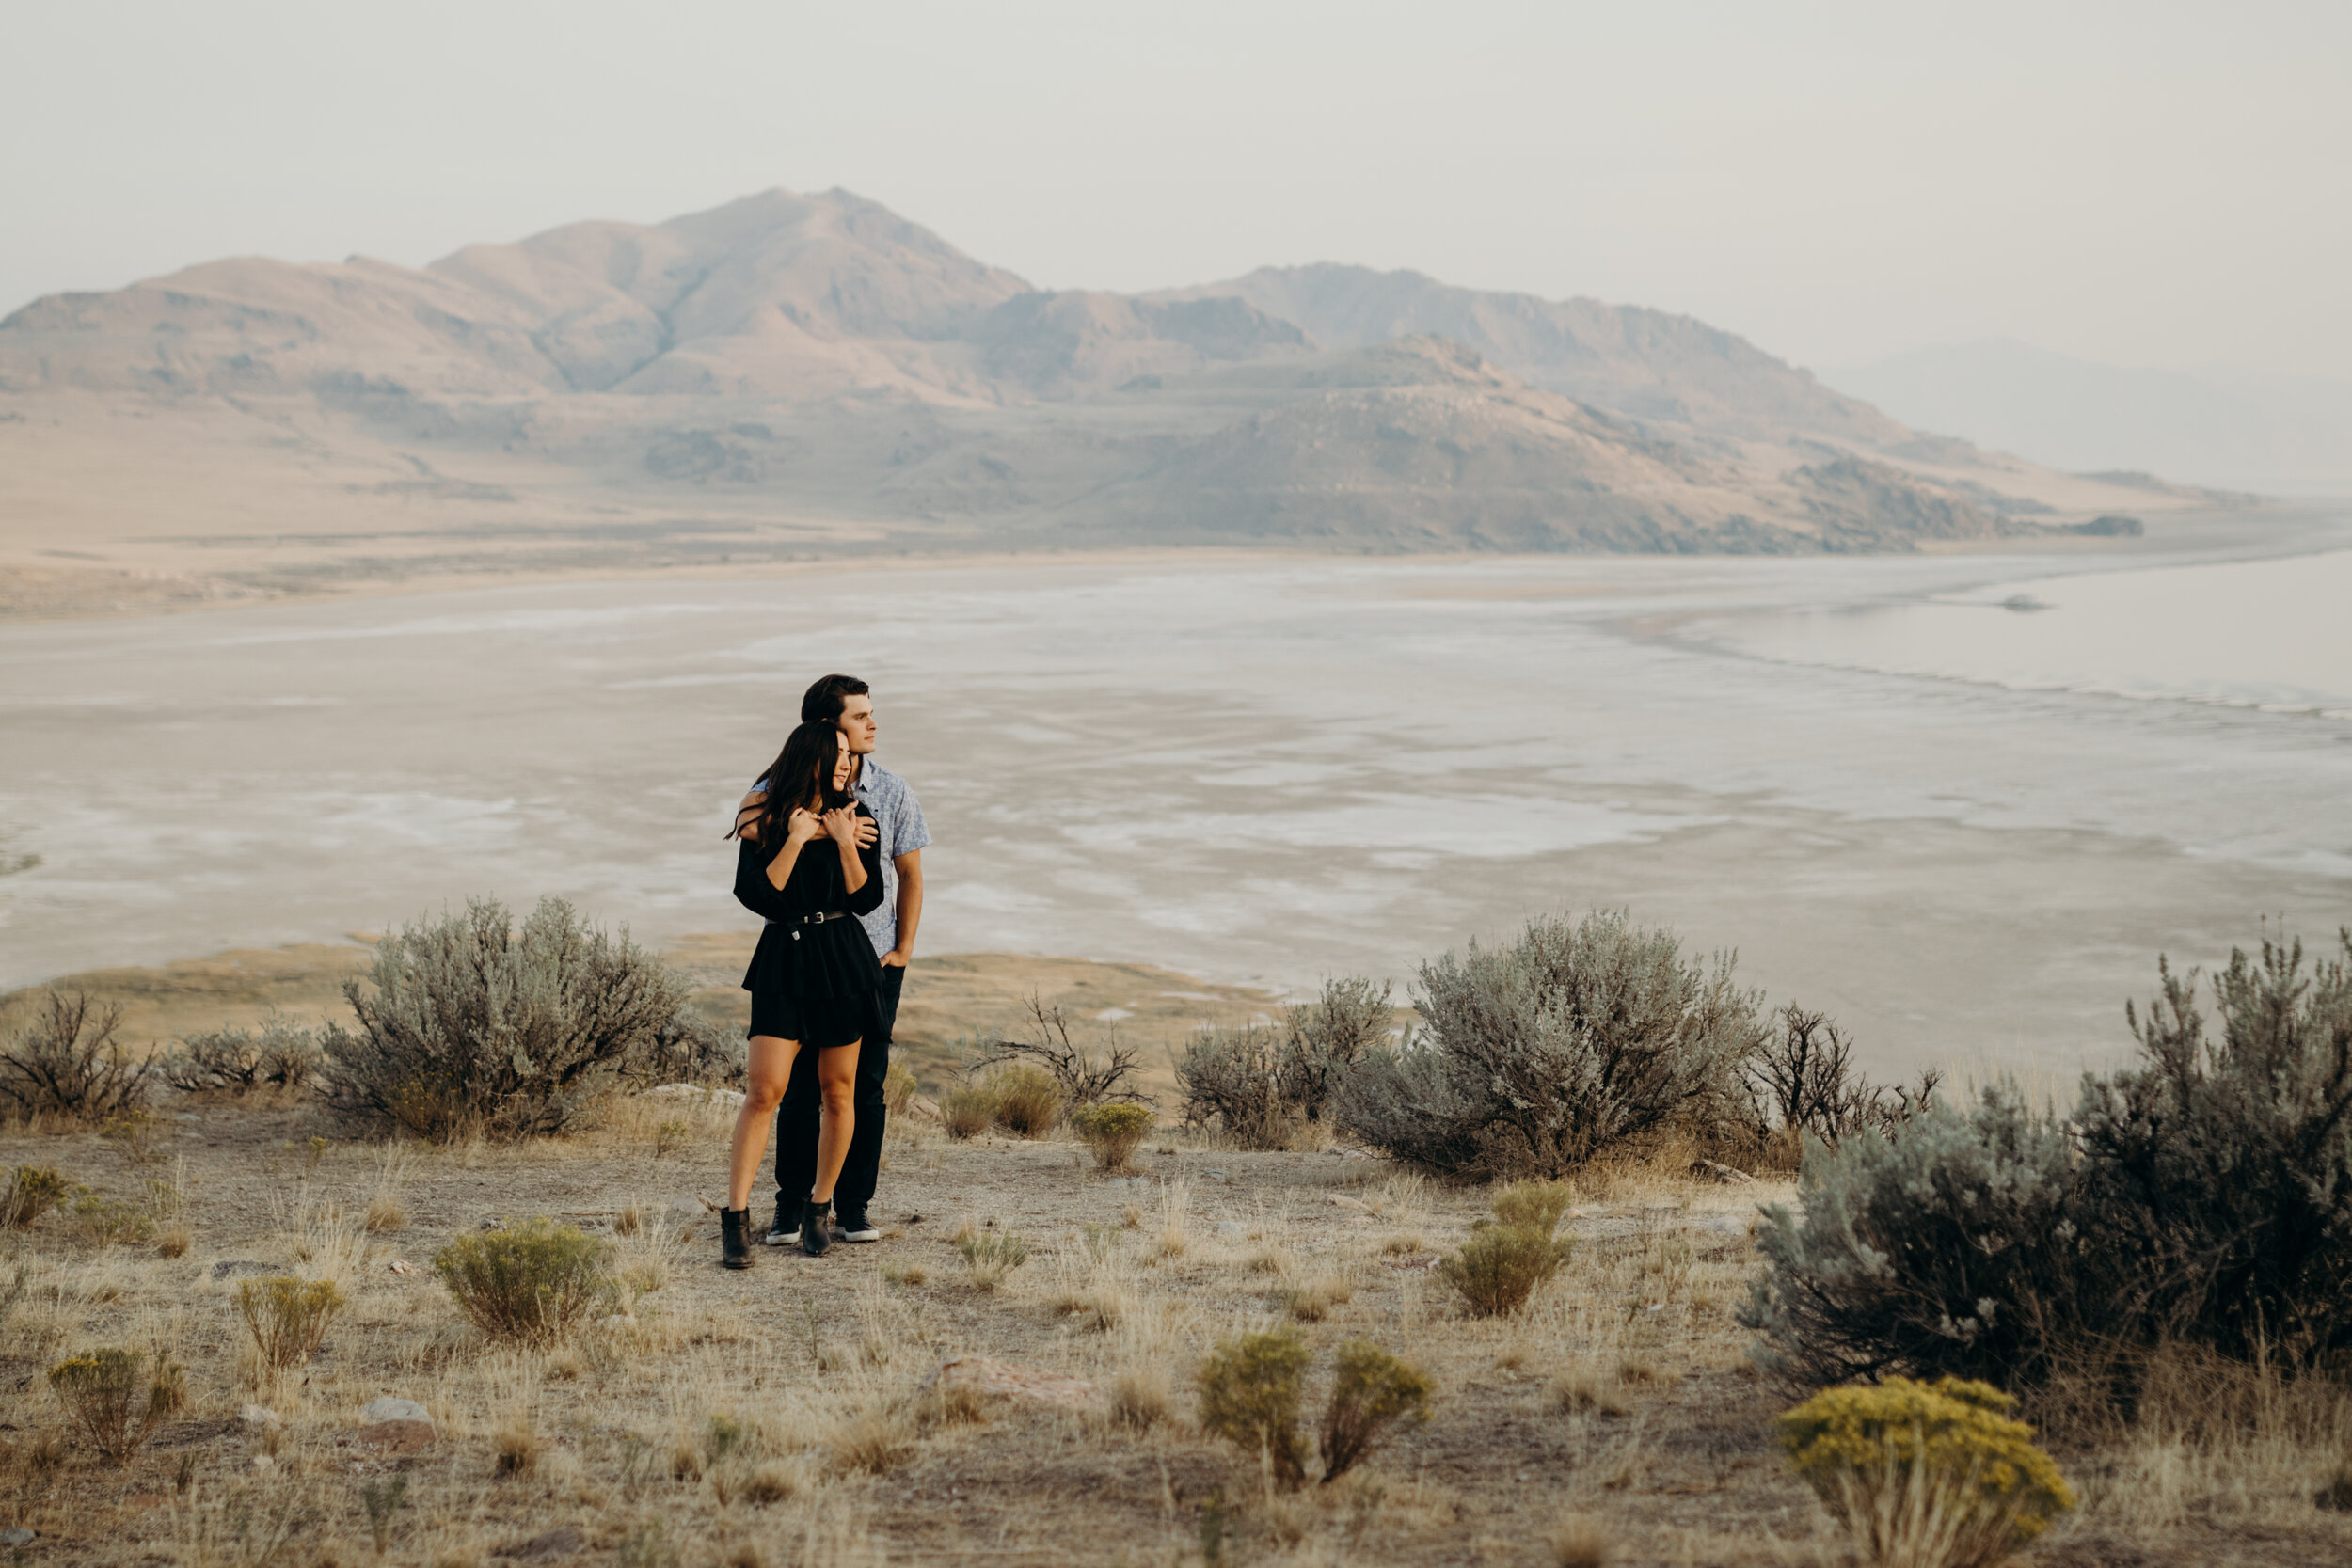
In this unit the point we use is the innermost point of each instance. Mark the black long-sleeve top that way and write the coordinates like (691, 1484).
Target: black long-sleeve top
(832, 958)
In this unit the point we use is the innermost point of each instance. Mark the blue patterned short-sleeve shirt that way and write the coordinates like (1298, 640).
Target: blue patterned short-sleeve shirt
(899, 818)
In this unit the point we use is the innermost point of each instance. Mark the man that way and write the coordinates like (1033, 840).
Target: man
(846, 703)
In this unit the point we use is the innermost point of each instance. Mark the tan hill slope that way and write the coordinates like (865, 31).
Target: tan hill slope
(1645, 363)
(1420, 444)
(775, 296)
(789, 376)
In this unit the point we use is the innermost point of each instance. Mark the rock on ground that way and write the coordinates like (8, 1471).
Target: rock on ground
(395, 1426)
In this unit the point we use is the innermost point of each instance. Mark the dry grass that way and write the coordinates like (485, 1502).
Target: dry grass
(1619, 1400)
(1173, 1235)
(1315, 1300)
(1580, 1541)
(385, 1212)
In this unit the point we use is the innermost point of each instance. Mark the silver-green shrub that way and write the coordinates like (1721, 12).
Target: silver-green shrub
(1572, 1041)
(278, 1055)
(1232, 1079)
(1261, 1085)
(1953, 1245)
(691, 1049)
(2201, 1196)
(2221, 1166)
(469, 1024)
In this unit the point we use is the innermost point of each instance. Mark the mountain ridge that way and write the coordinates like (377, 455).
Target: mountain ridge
(788, 373)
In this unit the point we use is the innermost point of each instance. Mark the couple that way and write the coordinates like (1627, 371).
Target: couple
(832, 857)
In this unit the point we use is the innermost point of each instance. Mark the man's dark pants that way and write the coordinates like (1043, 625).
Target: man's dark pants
(796, 1117)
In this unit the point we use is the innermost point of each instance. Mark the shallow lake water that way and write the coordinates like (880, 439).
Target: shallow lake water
(1967, 827)
(2268, 634)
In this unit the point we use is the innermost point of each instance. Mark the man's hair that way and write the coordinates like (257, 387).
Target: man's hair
(828, 697)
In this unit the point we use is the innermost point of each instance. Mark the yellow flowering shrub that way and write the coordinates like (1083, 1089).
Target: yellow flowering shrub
(118, 1397)
(1112, 1132)
(1926, 1473)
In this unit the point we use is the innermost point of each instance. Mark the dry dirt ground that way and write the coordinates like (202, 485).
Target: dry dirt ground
(780, 1415)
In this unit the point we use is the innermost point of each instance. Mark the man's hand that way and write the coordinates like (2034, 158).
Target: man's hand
(841, 825)
(896, 958)
(867, 831)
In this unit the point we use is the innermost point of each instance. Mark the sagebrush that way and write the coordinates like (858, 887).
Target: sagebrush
(2220, 1167)
(65, 1061)
(1264, 1086)
(688, 1048)
(2201, 1198)
(278, 1055)
(1573, 1041)
(471, 1025)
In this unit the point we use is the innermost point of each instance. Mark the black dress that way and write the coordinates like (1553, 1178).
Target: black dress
(814, 977)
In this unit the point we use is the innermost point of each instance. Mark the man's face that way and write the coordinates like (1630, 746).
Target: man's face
(857, 724)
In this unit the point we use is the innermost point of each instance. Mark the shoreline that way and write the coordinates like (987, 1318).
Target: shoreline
(1951, 869)
(2280, 527)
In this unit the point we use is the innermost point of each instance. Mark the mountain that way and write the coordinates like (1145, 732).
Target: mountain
(1421, 444)
(791, 374)
(777, 295)
(1640, 362)
(2216, 426)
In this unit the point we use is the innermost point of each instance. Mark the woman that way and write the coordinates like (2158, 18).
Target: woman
(814, 980)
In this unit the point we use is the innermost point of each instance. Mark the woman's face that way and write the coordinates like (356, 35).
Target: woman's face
(844, 764)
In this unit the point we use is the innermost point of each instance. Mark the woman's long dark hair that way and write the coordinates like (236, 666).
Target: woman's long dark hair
(802, 775)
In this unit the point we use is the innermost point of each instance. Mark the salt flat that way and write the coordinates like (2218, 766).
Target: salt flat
(1253, 771)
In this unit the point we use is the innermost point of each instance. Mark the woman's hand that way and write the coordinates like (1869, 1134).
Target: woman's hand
(802, 826)
(841, 826)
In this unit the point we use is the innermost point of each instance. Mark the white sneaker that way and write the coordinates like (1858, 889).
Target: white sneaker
(787, 1213)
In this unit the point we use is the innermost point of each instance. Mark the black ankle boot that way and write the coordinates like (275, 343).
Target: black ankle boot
(735, 1242)
(816, 1228)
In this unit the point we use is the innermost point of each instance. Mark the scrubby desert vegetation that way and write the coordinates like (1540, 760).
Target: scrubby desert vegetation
(360, 1296)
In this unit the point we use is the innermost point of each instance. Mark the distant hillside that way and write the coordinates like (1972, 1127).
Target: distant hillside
(2235, 429)
(1420, 444)
(789, 376)
(1636, 361)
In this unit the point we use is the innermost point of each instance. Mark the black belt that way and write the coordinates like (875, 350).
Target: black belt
(811, 920)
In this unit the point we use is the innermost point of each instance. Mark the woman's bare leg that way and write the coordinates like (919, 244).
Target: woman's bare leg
(836, 1082)
(769, 1071)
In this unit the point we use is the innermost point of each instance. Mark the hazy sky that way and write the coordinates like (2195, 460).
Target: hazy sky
(2139, 183)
